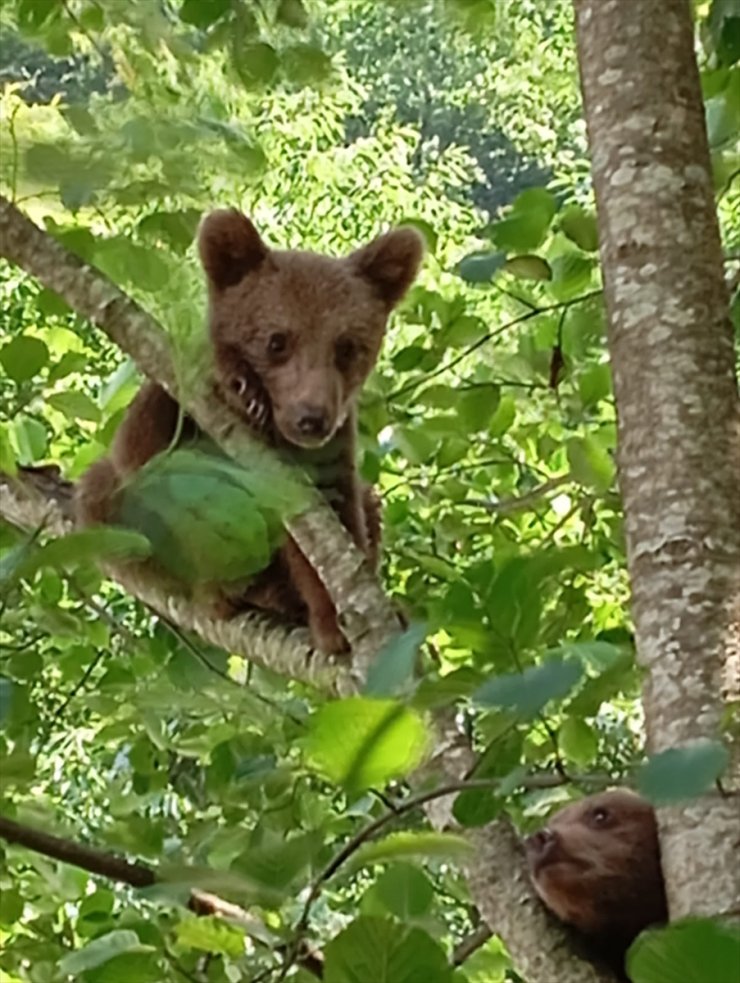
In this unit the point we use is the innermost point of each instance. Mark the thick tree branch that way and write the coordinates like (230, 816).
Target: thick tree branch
(366, 615)
(672, 354)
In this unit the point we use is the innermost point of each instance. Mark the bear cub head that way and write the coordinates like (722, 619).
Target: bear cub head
(596, 865)
(302, 329)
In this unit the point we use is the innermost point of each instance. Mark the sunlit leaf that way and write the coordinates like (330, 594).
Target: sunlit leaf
(100, 950)
(580, 227)
(360, 743)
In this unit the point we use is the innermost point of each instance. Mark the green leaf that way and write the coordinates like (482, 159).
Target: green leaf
(682, 773)
(126, 262)
(74, 405)
(203, 13)
(405, 891)
(292, 13)
(580, 227)
(23, 357)
(577, 741)
(425, 228)
(422, 844)
(571, 275)
(477, 406)
(176, 229)
(7, 454)
(11, 906)
(526, 225)
(209, 519)
(528, 267)
(6, 699)
(463, 332)
(529, 691)
(590, 464)
(82, 546)
(408, 358)
(477, 807)
(595, 384)
(394, 667)
(694, 950)
(480, 267)
(255, 63)
(210, 934)
(100, 950)
(382, 951)
(305, 64)
(359, 743)
(31, 439)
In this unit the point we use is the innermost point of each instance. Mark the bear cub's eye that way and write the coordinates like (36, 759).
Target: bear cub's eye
(346, 351)
(277, 343)
(599, 816)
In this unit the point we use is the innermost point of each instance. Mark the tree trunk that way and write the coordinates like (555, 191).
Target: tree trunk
(672, 356)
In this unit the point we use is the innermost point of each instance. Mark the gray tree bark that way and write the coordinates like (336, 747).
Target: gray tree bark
(671, 346)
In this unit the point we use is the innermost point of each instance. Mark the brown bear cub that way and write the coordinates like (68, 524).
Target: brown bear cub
(596, 865)
(295, 335)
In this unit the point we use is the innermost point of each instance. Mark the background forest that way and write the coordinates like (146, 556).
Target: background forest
(488, 427)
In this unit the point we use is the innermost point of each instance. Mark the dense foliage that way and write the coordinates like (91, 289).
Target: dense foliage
(488, 426)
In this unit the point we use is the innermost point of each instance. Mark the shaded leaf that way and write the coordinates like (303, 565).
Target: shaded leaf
(408, 843)
(405, 891)
(394, 666)
(529, 691)
(580, 227)
(694, 950)
(23, 357)
(383, 951)
(528, 267)
(683, 772)
(480, 267)
(100, 950)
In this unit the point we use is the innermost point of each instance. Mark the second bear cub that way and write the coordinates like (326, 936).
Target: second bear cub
(295, 335)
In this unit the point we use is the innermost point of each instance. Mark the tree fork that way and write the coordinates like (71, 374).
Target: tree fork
(671, 346)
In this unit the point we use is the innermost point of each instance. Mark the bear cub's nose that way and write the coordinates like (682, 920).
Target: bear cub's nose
(313, 422)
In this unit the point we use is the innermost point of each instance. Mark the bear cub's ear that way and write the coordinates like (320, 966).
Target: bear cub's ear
(230, 247)
(391, 262)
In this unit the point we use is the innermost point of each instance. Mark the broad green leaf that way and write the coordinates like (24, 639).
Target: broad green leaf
(31, 439)
(382, 951)
(144, 966)
(210, 934)
(480, 267)
(305, 64)
(408, 358)
(100, 950)
(127, 262)
(477, 406)
(393, 668)
(683, 772)
(525, 226)
(203, 13)
(11, 906)
(464, 331)
(176, 229)
(6, 699)
(421, 845)
(528, 692)
(489, 964)
(255, 63)
(360, 743)
(405, 891)
(595, 384)
(7, 454)
(23, 357)
(69, 362)
(590, 464)
(19, 768)
(577, 740)
(694, 950)
(571, 275)
(275, 866)
(580, 227)
(528, 267)
(476, 807)
(84, 546)
(208, 519)
(293, 13)
(74, 405)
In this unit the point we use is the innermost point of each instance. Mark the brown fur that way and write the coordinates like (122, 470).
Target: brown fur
(596, 865)
(295, 336)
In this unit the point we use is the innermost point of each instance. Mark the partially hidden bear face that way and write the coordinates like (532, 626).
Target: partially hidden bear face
(305, 329)
(596, 865)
